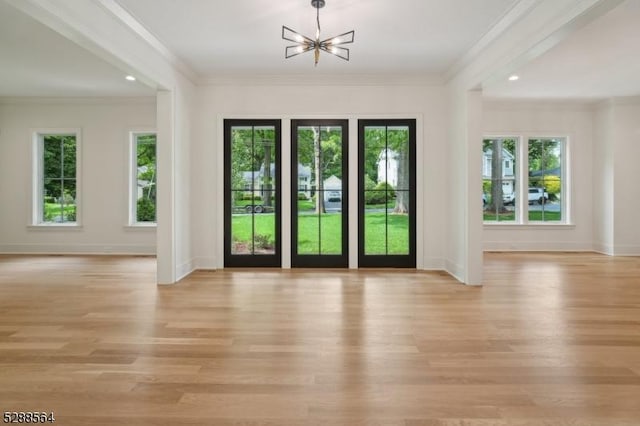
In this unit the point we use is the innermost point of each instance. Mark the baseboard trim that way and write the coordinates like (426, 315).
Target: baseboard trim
(455, 270)
(603, 249)
(536, 246)
(89, 249)
(433, 264)
(205, 263)
(184, 269)
(623, 250)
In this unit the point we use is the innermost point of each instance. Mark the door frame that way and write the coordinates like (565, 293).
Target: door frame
(388, 261)
(244, 260)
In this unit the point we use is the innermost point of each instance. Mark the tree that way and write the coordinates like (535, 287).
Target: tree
(395, 141)
(320, 148)
(59, 174)
(252, 151)
(544, 156)
(497, 148)
(402, 196)
(146, 165)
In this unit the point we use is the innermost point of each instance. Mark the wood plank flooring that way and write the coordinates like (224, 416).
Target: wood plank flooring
(551, 339)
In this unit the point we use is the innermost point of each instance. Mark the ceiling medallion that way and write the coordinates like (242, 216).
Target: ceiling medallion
(304, 44)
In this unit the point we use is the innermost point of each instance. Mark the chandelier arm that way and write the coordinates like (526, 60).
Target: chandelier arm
(340, 52)
(292, 51)
(344, 38)
(302, 40)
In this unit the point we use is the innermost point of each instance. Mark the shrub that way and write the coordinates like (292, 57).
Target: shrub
(248, 196)
(302, 196)
(369, 184)
(263, 241)
(553, 185)
(486, 186)
(146, 210)
(381, 192)
(390, 190)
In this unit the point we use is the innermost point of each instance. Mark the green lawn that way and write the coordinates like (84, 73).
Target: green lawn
(54, 210)
(396, 238)
(322, 234)
(535, 216)
(241, 231)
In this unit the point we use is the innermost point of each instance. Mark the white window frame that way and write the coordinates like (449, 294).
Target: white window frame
(133, 178)
(37, 191)
(518, 216)
(521, 172)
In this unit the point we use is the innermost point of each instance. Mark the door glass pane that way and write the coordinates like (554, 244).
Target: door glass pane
(376, 172)
(331, 232)
(308, 233)
(387, 189)
(253, 171)
(397, 157)
(320, 187)
(398, 225)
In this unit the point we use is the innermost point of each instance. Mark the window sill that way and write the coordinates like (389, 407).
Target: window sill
(141, 227)
(55, 227)
(530, 225)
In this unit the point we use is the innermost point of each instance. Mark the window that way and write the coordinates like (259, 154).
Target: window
(543, 162)
(545, 180)
(143, 178)
(56, 187)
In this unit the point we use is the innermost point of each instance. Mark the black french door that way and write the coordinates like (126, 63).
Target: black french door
(386, 194)
(319, 193)
(252, 193)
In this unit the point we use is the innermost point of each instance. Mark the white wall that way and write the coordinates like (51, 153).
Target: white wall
(615, 164)
(426, 103)
(603, 179)
(464, 170)
(175, 116)
(105, 125)
(531, 119)
(627, 184)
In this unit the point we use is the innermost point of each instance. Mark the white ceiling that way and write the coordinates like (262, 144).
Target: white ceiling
(37, 61)
(391, 36)
(421, 37)
(598, 61)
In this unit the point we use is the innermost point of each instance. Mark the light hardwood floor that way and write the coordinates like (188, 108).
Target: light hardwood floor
(551, 339)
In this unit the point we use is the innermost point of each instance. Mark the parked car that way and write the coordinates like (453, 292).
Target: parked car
(536, 195)
(334, 197)
(258, 208)
(509, 198)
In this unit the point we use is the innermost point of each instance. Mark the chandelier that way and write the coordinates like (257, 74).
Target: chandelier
(304, 44)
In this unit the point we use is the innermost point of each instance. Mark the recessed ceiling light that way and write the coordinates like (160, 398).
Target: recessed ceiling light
(130, 78)
(513, 77)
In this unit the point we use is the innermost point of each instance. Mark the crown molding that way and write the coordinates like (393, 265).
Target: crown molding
(324, 80)
(39, 100)
(519, 104)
